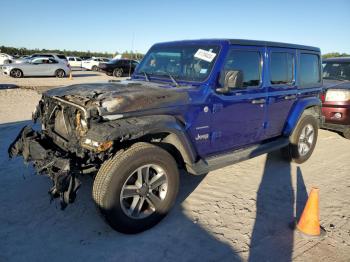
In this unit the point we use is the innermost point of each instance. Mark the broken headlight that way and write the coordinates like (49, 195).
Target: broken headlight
(96, 146)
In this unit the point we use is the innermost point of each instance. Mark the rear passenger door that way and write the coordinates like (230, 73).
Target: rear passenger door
(282, 89)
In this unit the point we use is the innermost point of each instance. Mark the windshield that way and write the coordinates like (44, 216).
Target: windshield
(336, 70)
(185, 62)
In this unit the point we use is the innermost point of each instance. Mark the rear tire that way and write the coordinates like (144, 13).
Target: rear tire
(130, 202)
(302, 141)
(94, 68)
(16, 73)
(118, 72)
(346, 133)
(60, 73)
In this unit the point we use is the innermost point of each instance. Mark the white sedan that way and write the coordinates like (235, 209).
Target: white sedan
(40, 66)
(93, 63)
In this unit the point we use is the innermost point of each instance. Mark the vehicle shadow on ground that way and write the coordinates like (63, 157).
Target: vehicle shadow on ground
(84, 75)
(33, 229)
(272, 237)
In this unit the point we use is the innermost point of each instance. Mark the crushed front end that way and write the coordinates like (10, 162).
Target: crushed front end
(60, 150)
(84, 125)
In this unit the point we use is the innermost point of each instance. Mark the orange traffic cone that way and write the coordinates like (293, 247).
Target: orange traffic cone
(309, 223)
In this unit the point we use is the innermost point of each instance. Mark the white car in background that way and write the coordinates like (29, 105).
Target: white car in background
(74, 61)
(5, 58)
(40, 66)
(93, 63)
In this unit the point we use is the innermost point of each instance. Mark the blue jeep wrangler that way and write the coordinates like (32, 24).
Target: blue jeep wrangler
(196, 105)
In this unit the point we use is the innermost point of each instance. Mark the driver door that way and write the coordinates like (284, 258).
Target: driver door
(38, 67)
(238, 117)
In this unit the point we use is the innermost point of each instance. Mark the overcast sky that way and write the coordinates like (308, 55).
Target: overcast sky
(112, 25)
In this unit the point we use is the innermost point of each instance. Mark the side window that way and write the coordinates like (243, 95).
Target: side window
(281, 68)
(39, 61)
(71, 59)
(52, 61)
(248, 62)
(309, 70)
(78, 59)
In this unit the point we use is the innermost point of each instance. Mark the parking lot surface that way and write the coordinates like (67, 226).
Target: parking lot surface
(239, 213)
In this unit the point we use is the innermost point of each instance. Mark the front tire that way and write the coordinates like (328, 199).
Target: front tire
(16, 73)
(302, 141)
(94, 68)
(136, 188)
(60, 73)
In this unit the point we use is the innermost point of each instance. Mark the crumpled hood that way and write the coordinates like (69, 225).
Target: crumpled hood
(335, 84)
(123, 96)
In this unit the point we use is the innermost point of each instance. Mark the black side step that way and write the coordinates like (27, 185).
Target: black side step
(206, 165)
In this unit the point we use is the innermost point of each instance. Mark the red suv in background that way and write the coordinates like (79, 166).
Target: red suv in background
(336, 95)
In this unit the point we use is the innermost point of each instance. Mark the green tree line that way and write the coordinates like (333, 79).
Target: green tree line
(24, 51)
(334, 54)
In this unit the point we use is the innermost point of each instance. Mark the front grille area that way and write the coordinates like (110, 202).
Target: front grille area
(59, 119)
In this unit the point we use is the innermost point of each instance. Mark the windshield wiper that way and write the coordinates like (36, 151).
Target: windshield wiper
(146, 75)
(173, 79)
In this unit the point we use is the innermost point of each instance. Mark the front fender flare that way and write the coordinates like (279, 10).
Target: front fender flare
(137, 127)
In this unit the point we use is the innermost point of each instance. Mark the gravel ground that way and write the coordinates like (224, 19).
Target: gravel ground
(239, 213)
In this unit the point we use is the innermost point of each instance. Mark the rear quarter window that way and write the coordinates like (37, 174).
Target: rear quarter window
(62, 57)
(309, 70)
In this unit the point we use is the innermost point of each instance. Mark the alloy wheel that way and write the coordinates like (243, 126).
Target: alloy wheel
(144, 191)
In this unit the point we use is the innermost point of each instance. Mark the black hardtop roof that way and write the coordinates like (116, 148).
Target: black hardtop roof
(337, 59)
(272, 44)
(243, 42)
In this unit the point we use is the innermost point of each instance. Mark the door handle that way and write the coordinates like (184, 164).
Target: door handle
(290, 97)
(259, 101)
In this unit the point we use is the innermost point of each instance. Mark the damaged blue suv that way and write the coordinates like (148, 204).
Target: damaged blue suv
(194, 105)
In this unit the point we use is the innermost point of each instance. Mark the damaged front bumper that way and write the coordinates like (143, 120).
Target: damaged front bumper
(47, 159)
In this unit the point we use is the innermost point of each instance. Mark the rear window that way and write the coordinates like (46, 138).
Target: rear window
(309, 70)
(62, 57)
(281, 68)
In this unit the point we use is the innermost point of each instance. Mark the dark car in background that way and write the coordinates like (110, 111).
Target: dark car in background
(119, 67)
(336, 95)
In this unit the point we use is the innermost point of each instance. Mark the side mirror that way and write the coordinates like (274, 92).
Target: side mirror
(229, 80)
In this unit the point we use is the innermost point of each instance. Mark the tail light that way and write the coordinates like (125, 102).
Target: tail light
(322, 96)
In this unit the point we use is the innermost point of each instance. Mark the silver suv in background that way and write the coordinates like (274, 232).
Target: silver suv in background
(59, 57)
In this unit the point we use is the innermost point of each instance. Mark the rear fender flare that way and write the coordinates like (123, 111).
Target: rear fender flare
(296, 112)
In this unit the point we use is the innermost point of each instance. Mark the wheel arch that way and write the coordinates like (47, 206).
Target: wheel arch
(162, 130)
(16, 68)
(310, 106)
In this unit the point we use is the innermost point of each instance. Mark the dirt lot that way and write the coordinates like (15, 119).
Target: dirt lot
(238, 213)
